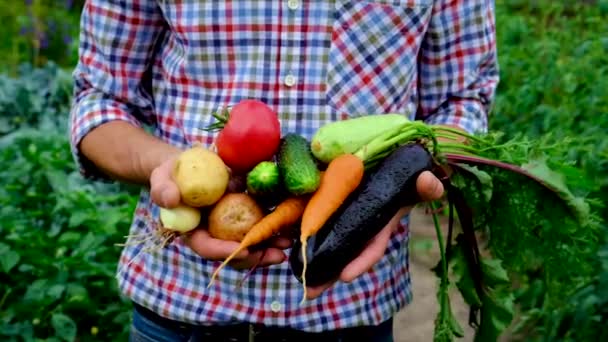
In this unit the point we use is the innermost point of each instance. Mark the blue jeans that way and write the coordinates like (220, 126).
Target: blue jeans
(148, 327)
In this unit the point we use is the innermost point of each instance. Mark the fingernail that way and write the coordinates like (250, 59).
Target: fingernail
(164, 195)
(438, 190)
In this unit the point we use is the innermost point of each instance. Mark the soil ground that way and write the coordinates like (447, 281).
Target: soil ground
(415, 323)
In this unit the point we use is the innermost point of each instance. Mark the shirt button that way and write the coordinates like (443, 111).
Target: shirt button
(293, 4)
(290, 80)
(275, 306)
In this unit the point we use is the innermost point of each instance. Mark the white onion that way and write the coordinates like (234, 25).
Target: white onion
(181, 219)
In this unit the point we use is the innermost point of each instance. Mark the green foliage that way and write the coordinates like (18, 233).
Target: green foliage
(539, 233)
(554, 75)
(57, 275)
(40, 97)
(584, 317)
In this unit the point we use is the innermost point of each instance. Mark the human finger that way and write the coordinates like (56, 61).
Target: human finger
(281, 242)
(260, 258)
(313, 292)
(211, 248)
(163, 190)
(429, 187)
(368, 257)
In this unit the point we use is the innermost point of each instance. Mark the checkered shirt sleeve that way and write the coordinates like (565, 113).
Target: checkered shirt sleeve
(458, 65)
(114, 55)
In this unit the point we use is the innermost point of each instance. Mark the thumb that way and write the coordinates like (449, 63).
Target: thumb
(429, 187)
(163, 189)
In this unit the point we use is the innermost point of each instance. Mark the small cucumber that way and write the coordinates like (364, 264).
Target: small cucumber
(297, 165)
(263, 179)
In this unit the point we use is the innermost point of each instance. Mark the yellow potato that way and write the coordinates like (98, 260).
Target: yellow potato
(201, 176)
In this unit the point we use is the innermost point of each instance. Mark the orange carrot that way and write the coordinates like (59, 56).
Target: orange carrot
(285, 214)
(342, 176)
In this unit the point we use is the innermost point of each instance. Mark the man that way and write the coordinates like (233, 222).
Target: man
(169, 64)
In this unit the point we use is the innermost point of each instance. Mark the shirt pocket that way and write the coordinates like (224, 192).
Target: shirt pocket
(373, 54)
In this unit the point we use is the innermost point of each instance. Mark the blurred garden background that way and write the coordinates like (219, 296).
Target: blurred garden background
(58, 253)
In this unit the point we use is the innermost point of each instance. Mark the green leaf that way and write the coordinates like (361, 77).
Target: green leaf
(54, 230)
(23, 330)
(464, 278)
(455, 326)
(76, 294)
(78, 218)
(8, 260)
(36, 291)
(69, 238)
(556, 181)
(496, 316)
(26, 268)
(89, 242)
(446, 325)
(76, 290)
(57, 180)
(484, 179)
(64, 327)
(493, 272)
(56, 291)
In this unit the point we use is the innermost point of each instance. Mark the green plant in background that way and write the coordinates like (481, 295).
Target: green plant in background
(38, 31)
(554, 62)
(40, 97)
(554, 75)
(57, 255)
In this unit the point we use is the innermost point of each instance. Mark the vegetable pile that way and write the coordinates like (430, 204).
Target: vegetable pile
(342, 187)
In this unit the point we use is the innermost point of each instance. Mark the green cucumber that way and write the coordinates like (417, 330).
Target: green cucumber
(264, 179)
(348, 136)
(297, 165)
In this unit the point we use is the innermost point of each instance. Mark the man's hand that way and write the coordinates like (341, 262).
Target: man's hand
(166, 194)
(429, 188)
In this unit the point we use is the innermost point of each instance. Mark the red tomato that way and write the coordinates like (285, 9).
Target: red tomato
(251, 135)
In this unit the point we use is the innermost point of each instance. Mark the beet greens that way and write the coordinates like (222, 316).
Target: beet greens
(526, 201)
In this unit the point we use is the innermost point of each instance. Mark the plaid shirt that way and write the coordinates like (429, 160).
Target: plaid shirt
(169, 64)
